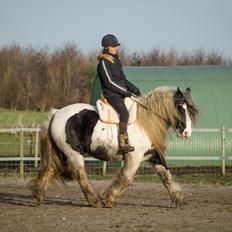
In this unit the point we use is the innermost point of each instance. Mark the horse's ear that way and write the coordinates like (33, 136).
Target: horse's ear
(188, 89)
(178, 93)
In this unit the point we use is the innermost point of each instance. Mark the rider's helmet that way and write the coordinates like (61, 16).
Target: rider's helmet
(110, 40)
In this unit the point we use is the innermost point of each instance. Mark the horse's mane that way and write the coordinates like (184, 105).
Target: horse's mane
(161, 114)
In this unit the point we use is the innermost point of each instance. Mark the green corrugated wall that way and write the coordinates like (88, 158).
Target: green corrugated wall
(211, 88)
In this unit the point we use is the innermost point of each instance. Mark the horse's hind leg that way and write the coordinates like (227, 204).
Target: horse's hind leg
(40, 185)
(121, 181)
(76, 166)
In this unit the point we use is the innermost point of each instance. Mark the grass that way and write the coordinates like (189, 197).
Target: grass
(9, 143)
(11, 118)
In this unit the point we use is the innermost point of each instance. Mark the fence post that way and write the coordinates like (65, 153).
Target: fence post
(104, 168)
(21, 151)
(36, 146)
(223, 161)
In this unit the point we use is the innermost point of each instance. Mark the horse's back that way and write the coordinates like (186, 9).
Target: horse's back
(74, 109)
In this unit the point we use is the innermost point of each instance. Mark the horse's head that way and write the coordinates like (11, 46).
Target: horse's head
(166, 107)
(186, 110)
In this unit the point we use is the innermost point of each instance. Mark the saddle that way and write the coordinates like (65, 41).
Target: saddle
(108, 115)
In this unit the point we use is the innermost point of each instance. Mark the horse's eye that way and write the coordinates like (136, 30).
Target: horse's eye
(181, 108)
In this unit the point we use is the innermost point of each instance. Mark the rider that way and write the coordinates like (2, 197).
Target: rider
(115, 86)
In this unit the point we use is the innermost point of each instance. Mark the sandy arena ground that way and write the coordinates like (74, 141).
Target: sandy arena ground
(143, 207)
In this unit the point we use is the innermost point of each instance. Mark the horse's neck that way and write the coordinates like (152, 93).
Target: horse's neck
(154, 126)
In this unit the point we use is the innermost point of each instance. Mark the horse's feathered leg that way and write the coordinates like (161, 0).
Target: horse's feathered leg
(123, 180)
(174, 190)
(39, 187)
(90, 195)
(159, 163)
(76, 166)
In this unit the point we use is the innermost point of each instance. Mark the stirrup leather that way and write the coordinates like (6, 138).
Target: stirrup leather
(124, 146)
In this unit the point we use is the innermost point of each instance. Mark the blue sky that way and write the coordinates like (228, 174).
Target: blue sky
(185, 25)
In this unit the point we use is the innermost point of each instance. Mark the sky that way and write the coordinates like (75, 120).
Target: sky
(139, 25)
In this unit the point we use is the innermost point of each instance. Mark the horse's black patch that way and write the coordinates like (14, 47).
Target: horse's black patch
(101, 154)
(79, 129)
(156, 158)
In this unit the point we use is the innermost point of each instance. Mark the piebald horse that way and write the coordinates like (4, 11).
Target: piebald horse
(75, 130)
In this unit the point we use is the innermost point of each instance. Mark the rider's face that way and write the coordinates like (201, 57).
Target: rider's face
(112, 50)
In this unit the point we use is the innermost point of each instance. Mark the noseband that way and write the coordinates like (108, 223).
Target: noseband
(180, 123)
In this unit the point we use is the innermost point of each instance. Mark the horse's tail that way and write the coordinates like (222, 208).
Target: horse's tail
(51, 163)
(52, 158)
(46, 142)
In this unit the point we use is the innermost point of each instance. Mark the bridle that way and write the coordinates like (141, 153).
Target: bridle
(180, 122)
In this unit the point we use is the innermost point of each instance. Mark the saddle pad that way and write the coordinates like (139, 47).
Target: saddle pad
(109, 115)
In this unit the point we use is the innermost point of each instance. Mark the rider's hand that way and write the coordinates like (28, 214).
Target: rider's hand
(128, 94)
(137, 92)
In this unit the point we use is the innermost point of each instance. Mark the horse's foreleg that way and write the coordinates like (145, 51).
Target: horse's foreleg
(174, 190)
(123, 180)
(76, 166)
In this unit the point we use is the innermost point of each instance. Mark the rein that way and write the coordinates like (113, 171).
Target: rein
(140, 103)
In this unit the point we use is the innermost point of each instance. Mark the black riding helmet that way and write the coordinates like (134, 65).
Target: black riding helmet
(110, 40)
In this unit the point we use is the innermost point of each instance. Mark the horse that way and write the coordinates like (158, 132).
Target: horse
(69, 133)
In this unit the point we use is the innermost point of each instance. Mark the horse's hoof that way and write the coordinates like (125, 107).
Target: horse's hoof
(97, 204)
(37, 201)
(110, 203)
(179, 199)
(107, 202)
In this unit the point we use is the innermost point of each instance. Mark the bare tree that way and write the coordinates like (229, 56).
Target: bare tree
(35, 79)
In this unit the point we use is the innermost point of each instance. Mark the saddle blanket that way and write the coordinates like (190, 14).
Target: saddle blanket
(109, 115)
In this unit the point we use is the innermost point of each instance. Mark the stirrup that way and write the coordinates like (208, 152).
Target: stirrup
(125, 149)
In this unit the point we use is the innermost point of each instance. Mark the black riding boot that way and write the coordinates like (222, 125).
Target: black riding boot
(124, 146)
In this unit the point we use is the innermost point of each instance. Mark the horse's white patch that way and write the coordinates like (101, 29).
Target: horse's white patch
(188, 130)
(106, 135)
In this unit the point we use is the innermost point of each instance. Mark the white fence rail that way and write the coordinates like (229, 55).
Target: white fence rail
(210, 147)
